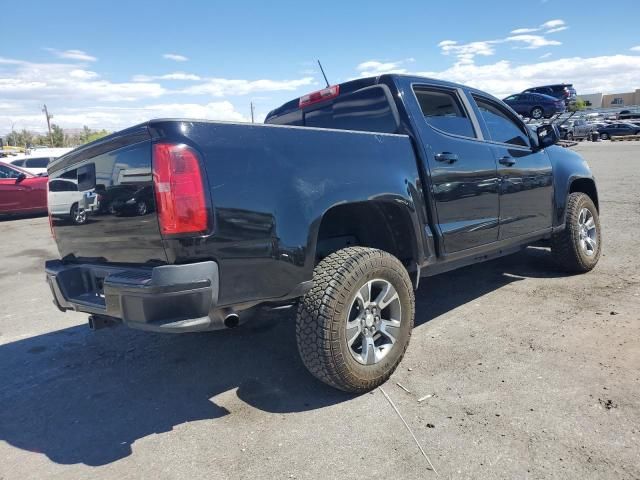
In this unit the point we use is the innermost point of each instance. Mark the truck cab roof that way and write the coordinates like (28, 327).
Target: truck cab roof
(304, 112)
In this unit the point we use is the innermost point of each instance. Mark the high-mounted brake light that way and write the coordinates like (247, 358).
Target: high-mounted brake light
(319, 96)
(177, 179)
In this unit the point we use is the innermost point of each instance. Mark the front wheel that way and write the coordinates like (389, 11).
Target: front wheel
(604, 136)
(537, 113)
(577, 247)
(354, 325)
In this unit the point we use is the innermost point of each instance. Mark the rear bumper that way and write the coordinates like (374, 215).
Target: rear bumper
(168, 298)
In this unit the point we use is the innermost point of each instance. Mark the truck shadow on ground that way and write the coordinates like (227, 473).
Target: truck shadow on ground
(82, 397)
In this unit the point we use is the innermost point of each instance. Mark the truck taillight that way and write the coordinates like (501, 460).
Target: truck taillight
(180, 197)
(319, 96)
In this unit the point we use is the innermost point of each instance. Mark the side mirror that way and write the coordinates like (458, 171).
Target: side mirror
(547, 135)
(20, 177)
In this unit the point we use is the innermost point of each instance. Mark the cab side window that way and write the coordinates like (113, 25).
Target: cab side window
(500, 124)
(442, 109)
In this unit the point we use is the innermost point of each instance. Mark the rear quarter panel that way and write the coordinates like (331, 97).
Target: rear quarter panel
(270, 186)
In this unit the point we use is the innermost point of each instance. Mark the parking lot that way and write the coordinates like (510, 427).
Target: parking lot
(522, 372)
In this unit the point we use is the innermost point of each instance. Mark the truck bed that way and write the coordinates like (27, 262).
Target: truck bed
(267, 186)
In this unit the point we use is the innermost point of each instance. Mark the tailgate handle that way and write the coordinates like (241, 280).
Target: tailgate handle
(446, 157)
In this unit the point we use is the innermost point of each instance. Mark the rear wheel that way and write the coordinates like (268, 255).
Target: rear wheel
(141, 208)
(354, 325)
(78, 215)
(569, 136)
(537, 113)
(577, 247)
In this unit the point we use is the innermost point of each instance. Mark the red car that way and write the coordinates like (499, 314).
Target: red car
(21, 191)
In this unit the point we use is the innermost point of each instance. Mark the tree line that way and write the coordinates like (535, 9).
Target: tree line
(59, 138)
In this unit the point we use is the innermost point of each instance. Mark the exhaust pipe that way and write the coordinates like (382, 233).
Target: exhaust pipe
(232, 320)
(97, 322)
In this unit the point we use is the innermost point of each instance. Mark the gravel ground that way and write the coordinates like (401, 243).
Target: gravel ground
(523, 372)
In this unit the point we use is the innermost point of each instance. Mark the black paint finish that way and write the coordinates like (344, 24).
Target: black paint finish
(448, 200)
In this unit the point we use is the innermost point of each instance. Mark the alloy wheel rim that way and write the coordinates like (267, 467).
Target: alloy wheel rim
(80, 215)
(373, 324)
(587, 232)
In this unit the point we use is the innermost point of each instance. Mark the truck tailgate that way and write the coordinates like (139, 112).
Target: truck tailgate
(104, 201)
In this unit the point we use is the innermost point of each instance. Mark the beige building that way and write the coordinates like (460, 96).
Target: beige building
(621, 99)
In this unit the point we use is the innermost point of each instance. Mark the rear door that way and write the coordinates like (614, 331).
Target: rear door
(525, 175)
(462, 168)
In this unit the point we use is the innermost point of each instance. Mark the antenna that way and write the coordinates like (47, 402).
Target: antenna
(323, 74)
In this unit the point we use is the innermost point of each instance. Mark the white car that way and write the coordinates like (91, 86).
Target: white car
(36, 165)
(65, 201)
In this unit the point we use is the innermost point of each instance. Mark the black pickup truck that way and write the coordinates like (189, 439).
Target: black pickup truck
(340, 203)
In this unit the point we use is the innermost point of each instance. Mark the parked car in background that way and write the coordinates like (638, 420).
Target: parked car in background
(137, 202)
(66, 201)
(628, 114)
(561, 91)
(535, 105)
(21, 191)
(619, 129)
(578, 128)
(35, 165)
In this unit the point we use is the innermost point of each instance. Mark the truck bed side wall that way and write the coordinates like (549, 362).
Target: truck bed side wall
(270, 187)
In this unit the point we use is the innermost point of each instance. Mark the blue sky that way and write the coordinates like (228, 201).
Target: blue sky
(117, 63)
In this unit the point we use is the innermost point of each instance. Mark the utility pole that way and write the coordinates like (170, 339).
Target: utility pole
(252, 112)
(49, 117)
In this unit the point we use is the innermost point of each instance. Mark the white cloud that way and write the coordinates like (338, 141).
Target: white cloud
(115, 118)
(219, 87)
(518, 31)
(533, 41)
(167, 76)
(79, 96)
(553, 24)
(50, 81)
(79, 55)
(83, 74)
(635, 49)
(546, 55)
(467, 51)
(606, 74)
(175, 57)
(373, 68)
(554, 30)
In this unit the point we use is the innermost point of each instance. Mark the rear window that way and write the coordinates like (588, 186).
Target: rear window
(442, 109)
(37, 162)
(368, 110)
(58, 185)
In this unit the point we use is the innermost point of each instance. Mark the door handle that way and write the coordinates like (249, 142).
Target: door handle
(446, 157)
(508, 161)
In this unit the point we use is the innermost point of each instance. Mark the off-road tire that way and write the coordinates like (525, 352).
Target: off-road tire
(323, 311)
(565, 244)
